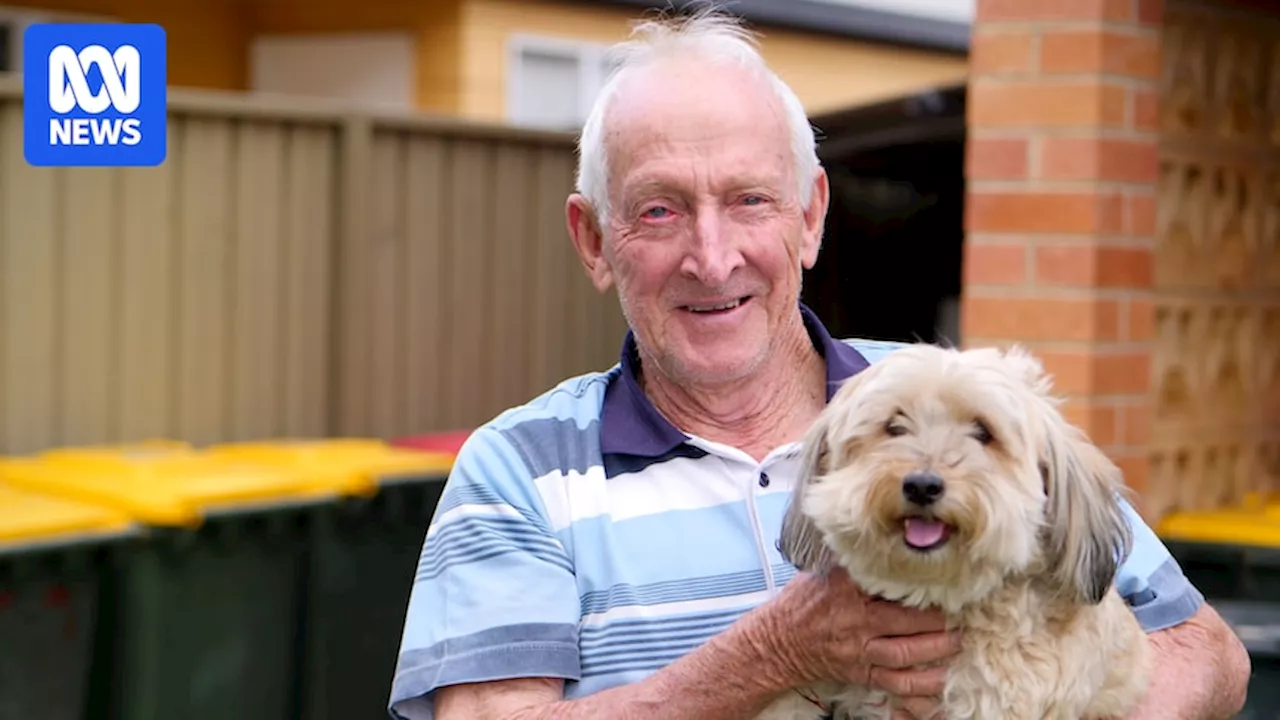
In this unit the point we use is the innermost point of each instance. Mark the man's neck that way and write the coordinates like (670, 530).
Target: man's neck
(756, 414)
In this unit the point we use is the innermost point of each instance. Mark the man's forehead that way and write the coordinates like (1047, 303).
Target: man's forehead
(681, 114)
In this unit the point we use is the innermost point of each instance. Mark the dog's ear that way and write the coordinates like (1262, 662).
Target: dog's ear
(1088, 535)
(800, 541)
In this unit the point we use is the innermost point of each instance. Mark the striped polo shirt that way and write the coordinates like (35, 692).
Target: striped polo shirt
(583, 536)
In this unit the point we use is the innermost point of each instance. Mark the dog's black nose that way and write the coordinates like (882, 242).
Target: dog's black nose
(921, 488)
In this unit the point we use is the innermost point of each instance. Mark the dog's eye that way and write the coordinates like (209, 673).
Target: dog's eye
(982, 433)
(893, 429)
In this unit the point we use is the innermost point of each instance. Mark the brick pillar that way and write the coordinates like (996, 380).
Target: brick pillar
(1060, 213)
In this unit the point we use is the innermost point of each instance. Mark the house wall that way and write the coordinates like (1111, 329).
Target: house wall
(461, 65)
(207, 38)
(827, 73)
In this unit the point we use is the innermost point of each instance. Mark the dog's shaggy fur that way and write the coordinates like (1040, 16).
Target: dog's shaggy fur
(1028, 529)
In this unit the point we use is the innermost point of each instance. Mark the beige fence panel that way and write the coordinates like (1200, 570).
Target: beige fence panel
(463, 295)
(293, 269)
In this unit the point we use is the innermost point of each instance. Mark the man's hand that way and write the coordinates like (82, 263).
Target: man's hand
(827, 629)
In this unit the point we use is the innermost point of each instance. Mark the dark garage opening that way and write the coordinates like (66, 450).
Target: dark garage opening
(890, 265)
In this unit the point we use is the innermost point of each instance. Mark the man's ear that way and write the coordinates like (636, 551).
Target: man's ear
(815, 219)
(588, 240)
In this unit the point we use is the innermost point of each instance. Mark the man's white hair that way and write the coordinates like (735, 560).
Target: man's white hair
(707, 35)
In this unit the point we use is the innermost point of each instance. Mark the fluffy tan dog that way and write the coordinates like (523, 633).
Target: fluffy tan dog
(948, 479)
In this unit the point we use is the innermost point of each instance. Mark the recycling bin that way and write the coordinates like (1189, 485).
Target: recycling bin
(449, 441)
(204, 614)
(364, 555)
(54, 556)
(1229, 554)
(1258, 626)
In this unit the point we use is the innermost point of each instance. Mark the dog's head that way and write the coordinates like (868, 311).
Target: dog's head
(936, 473)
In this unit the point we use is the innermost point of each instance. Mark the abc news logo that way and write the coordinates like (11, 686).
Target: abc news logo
(120, 91)
(95, 95)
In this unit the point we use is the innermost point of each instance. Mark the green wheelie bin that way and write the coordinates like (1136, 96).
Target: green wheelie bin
(364, 553)
(1258, 625)
(54, 556)
(205, 613)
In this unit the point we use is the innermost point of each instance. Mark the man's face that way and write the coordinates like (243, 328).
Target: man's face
(706, 236)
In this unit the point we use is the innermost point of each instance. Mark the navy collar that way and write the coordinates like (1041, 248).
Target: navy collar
(631, 425)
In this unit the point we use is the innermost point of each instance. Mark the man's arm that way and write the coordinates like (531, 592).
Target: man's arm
(730, 677)
(491, 628)
(817, 628)
(1201, 671)
(1201, 667)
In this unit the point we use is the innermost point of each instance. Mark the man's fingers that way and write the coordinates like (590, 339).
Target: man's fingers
(927, 681)
(909, 650)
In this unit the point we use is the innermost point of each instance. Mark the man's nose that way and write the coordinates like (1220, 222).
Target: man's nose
(713, 252)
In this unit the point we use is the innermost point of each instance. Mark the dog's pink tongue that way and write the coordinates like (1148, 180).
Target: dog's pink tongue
(923, 533)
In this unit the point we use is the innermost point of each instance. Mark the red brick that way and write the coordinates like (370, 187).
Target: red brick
(1010, 104)
(1098, 420)
(1071, 376)
(1093, 265)
(1151, 12)
(1060, 213)
(1136, 467)
(1087, 158)
(1141, 320)
(1011, 51)
(1140, 215)
(1092, 51)
(994, 263)
(1135, 424)
(1146, 110)
(1039, 10)
(1127, 373)
(988, 317)
(1094, 372)
(996, 158)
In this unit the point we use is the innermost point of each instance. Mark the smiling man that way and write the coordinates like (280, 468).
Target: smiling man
(607, 550)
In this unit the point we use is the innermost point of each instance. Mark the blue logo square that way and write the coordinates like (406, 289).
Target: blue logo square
(94, 95)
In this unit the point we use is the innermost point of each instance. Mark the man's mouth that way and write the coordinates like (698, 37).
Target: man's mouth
(925, 534)
(719, 307)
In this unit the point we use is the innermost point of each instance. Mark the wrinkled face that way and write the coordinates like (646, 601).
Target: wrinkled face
(706, 238)
(931, 485)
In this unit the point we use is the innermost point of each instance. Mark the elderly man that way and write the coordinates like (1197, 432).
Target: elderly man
(608, 549)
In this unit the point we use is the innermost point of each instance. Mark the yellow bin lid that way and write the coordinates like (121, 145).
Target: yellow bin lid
(141, 449)
(160, 488)
(1237, 526)
(29, 518)
(352, 466)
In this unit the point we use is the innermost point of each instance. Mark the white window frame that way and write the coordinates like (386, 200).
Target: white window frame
(591, 71)
(18, 18)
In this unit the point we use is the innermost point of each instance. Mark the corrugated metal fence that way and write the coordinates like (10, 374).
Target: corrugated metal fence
(293, 269)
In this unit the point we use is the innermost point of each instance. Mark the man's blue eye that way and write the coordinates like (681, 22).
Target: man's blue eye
(753, 200)
(656, 212)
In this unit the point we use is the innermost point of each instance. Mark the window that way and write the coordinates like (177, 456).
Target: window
(551, 84)
(367, 68)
